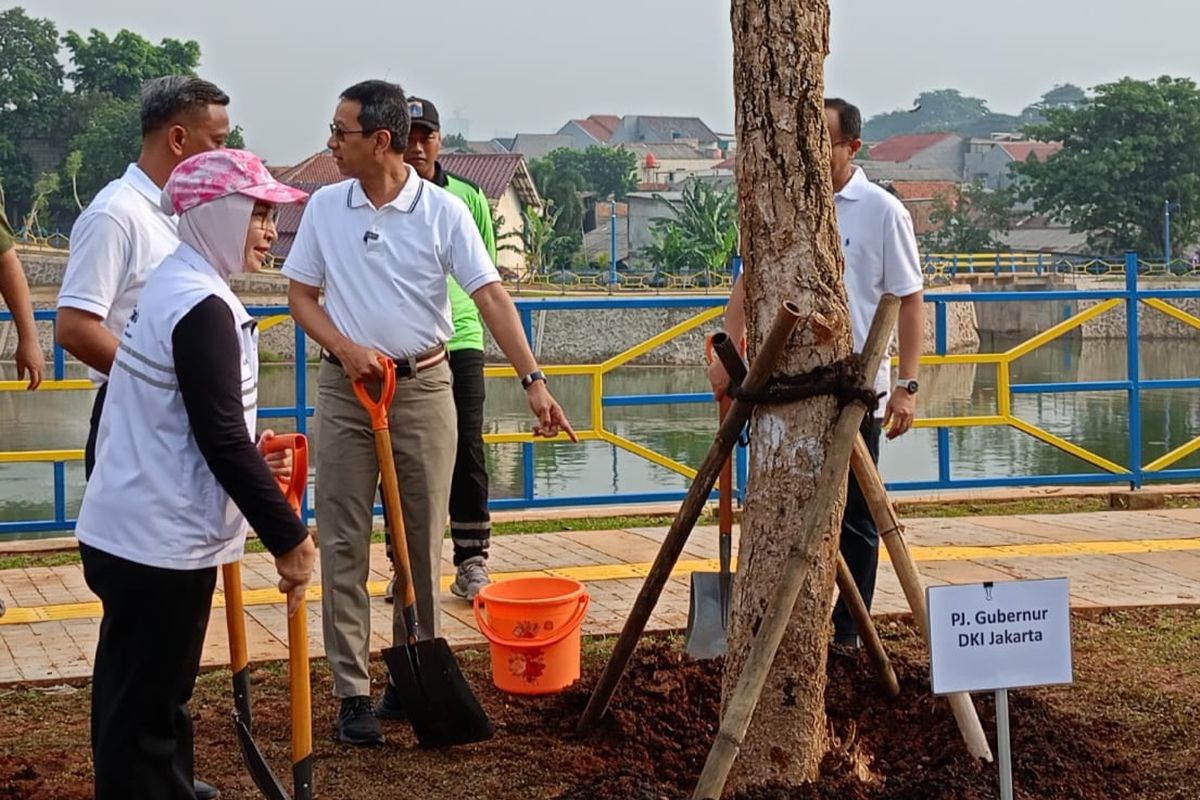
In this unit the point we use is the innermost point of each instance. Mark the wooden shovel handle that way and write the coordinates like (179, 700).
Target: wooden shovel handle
(235, 620)
(298, 667)
(395, 521)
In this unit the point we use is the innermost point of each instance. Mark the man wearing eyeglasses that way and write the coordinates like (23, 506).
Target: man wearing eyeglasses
(880, 252)
(381, 246)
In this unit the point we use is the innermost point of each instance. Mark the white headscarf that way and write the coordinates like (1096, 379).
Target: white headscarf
(217, 230)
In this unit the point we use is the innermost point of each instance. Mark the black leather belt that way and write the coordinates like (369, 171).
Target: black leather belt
(405, 367)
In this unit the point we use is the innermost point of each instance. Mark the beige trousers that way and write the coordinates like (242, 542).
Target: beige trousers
(424, 440)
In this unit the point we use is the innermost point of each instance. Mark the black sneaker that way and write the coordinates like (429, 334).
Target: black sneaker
(390, 707)
(204, 791)
(356, 722)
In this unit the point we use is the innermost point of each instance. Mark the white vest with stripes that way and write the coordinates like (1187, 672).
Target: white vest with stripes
(152, 498)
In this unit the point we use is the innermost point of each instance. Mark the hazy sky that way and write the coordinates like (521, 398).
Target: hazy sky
(530, 65)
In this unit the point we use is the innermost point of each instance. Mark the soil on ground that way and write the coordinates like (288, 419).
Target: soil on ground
(1125, 729)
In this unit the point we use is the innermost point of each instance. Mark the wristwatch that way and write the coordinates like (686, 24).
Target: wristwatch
(910, 385)
(532, 378)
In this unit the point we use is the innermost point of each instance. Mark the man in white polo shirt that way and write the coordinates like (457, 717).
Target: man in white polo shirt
(381, 245)
(881, 257)
(123, 234)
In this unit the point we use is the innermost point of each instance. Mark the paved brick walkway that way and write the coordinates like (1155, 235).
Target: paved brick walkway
(1113, 559)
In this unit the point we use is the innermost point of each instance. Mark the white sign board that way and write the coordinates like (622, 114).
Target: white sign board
(999, 635)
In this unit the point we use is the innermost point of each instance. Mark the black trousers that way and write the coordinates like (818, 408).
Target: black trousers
(89, 450)
(859, 540)
(151, 637)
(470, 522)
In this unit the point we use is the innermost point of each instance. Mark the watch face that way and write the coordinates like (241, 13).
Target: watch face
(912, 387)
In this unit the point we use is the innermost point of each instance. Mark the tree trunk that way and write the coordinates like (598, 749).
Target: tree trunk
(791, 251)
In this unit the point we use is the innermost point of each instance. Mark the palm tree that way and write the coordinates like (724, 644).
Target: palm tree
(703, 231)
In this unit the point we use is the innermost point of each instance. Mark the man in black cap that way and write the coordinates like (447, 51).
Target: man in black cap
(470, 523)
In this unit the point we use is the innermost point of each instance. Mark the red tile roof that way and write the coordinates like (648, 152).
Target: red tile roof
(729, 163)
(492, 172)
(319, 170)
(905, 146)
(1021, 151)
(610, 122)
(923, 190)
(594, 129)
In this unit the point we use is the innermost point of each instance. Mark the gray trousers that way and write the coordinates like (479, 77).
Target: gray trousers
(424, 440)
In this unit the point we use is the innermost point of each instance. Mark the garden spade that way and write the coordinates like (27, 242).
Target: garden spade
(708, 610)
(301, 695)
(435, 696)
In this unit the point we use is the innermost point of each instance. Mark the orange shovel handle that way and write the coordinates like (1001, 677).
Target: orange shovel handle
(298, 668)
(293, 489)
(378, 409)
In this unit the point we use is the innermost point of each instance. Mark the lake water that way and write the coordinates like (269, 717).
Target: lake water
(1097, 421)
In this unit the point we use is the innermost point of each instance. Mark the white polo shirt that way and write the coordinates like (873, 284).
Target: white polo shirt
(384, 269)
(116, 243)
(881, 258)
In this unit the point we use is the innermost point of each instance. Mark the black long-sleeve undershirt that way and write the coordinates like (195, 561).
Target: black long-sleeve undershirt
(208, 368)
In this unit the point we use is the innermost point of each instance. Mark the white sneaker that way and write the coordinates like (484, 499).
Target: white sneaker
(471, 577)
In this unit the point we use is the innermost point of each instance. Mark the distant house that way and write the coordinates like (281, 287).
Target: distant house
(918, 197)
(540, 145)
(990, 160)
(637, 128)
(923, 151)
(503, 177)
(666, 163)
(597, 129)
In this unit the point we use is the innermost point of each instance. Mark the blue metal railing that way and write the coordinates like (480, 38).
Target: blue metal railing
(1135, 473)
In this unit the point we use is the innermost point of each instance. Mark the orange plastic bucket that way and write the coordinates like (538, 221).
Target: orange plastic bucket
(533, 626)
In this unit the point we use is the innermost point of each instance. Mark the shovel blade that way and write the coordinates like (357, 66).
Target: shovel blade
(259, 770)
(707, 621)
(436, 697)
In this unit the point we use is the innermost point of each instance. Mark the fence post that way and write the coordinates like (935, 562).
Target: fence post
(1133, 367)
(527, 447)
(941, 344)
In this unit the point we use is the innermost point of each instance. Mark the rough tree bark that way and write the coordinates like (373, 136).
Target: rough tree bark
(791, 251)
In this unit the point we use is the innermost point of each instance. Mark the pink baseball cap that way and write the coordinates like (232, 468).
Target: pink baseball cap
(219, 173)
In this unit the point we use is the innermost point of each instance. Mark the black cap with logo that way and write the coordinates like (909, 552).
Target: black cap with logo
(424, 113)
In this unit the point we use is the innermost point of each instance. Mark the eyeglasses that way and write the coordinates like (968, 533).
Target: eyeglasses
(341, 133)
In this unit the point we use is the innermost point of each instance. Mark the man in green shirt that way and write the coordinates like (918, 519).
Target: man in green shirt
(15, 291)
(470, 523)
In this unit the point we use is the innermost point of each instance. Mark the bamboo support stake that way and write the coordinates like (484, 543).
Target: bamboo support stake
(735, 720)
(786, 321)
(891, 531)
(866, 628)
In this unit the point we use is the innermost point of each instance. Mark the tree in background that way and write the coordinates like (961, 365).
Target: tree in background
(565, 174)
(933, 112)
(702, 232)
(93, 131)
(119, 66)
(455, 141)
(972, 219)
(1133, 146)
(31, 99)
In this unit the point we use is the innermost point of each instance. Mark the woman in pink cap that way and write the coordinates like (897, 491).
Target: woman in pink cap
(178, 476)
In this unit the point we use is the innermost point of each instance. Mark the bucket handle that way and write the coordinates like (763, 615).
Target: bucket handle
(525, 644)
